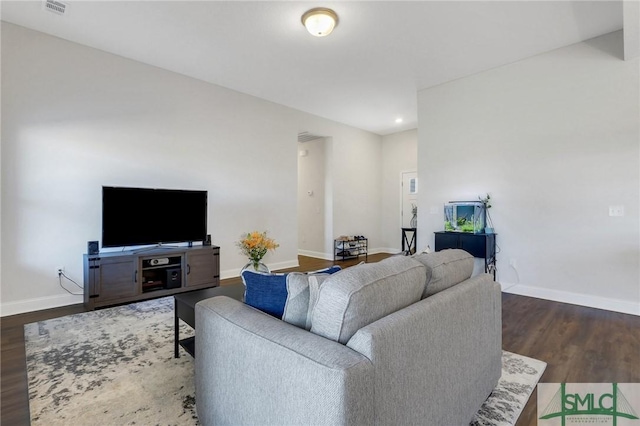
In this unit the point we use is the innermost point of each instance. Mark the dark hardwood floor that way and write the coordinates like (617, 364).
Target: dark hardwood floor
(579, 344)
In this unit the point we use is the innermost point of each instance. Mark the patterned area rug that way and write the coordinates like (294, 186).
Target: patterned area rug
(116, 366)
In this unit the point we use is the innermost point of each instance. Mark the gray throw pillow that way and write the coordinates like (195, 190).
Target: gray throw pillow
(296, 307)
(315, 281)
(297, 303)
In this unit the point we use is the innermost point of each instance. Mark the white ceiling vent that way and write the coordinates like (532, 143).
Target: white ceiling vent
(308, 137)
(54, 6)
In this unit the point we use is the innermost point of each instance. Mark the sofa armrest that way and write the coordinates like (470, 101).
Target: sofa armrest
(437, 360)
(252, 368)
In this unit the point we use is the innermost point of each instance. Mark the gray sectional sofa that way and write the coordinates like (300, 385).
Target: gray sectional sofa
(404, 341)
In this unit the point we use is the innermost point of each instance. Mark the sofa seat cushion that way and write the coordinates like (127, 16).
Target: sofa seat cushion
(282, 295)
(362, 294)
(445, 269)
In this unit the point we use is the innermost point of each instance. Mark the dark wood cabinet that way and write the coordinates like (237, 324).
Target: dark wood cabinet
(477, 245)
(202, 267)
(117, 277)
(122, 277)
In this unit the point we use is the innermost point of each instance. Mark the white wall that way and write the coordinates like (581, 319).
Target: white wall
(76, 118)
(311, 207)
(555, 140)
(352, 184)
(399, 154)
(356, 189)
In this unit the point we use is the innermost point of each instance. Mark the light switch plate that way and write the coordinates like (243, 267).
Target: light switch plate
(616, 210)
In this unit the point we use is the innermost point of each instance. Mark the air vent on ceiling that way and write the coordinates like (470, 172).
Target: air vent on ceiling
(308, 137)
(54, 6)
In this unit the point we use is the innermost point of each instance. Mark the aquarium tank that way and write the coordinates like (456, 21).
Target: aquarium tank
(464, 216)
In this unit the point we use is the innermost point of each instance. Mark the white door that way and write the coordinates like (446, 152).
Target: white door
(409, 197)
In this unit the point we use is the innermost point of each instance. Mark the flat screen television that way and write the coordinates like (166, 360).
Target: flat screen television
(141, 216)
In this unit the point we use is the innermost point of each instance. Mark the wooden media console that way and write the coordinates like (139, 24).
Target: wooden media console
(121, 277)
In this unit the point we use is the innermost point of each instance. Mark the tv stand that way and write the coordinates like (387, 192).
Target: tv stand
(123, 277)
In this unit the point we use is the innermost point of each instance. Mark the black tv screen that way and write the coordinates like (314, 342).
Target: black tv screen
(139, 216)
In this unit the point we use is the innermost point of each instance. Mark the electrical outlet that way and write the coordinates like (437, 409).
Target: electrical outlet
(59, 270)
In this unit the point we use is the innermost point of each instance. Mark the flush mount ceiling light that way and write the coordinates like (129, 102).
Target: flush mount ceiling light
(320, 21)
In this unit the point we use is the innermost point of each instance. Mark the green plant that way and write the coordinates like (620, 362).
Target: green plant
(486, 201)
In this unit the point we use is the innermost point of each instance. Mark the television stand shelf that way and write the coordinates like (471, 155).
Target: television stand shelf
(121, 277)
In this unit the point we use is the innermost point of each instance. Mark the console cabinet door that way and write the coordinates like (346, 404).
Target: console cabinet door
(447, 241)
(203, 267)
(117, 278)
(475, 245)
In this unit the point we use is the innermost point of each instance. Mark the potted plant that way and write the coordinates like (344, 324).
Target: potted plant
(486, 202)
(255, 245)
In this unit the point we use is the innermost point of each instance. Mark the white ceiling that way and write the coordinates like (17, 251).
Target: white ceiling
(366, 74)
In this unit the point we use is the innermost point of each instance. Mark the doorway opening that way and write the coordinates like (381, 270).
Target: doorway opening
(315, 220)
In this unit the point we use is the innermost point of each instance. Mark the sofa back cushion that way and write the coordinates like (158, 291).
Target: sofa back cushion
(445, 269)
(362, 294)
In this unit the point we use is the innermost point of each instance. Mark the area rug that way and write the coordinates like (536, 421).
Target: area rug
(116, 366)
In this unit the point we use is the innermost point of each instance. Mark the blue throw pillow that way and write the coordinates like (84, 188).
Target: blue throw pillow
(268, 292)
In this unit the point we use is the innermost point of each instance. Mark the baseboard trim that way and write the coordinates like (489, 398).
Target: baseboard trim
(234, 273)
(385, 250)
(328, 256)
(39, 304)
(597, 302)
(315, 254)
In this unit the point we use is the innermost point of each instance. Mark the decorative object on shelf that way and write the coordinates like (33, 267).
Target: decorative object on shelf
(255, 245)
(464, 216)
(414, 218)
(486, 202)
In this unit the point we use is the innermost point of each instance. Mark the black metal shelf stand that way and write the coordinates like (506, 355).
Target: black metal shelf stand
(350, 249)
(409, 240)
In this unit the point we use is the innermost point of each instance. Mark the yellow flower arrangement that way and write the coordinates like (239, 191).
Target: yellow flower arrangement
(255, 245)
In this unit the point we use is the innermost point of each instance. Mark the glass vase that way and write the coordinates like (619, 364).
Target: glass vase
(255, 267)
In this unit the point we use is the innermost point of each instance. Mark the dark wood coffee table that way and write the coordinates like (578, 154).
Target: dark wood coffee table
(185, 304)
